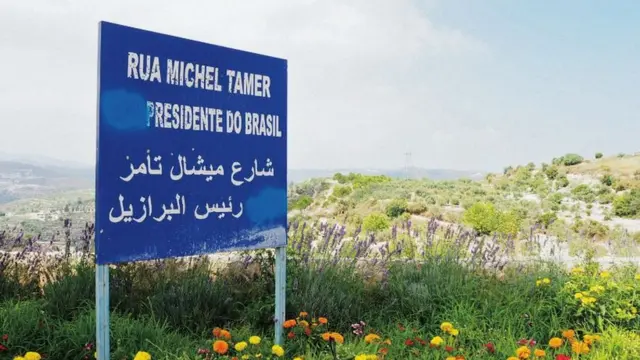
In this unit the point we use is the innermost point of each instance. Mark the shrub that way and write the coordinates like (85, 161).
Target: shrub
(583, 192)
(627, 205)
(302, 202)
(572, 159)
(547, 219)
(607, 179)
(599, 155)
(485, 219)
(396, 208)
(341, 191)
(375, 222)
(551, 172)
(562, 181)
(416, 208)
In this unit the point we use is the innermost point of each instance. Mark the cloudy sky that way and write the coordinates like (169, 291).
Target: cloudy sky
(459, 84)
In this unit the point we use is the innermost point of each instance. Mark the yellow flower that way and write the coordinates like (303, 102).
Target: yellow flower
(33, 356)
(436, 341)
(597, 289)
(241, 346)
(141, 355)
(587, 301)
(277, 350)
(254, 340)
(366, 357)
(454, 332)
(578, 296)
(246, 357)
(538, 282)
(371, 338)
(539, 353)
(637, 276)
(555, 343)
(546, 281)
(298, 358)
(450, 358)
(590, 339)
(580, 348)
(512, 358)
(18, 358)
(303, 323)
(446, 326)
(523, 352)
(577, 271)
(604, 274)
(568, 334)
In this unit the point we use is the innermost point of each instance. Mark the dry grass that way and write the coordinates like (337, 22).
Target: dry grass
(624, 167)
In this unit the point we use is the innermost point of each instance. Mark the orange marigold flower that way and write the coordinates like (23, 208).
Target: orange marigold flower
(221, 347)
(370, 338)
(216, 332)
(555, 343)
(224, 334)
(569, 334)
(539, 353)
(289, 324)
(384, 351)
(323, 320)
(523, 352)
(304, 314)
(333, 336)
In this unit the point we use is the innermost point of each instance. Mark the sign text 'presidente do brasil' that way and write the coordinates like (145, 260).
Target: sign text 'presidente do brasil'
(191, 148)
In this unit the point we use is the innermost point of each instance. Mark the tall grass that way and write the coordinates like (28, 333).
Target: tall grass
(413, 276)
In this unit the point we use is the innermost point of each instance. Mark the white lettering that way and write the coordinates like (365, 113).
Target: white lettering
(132, 68)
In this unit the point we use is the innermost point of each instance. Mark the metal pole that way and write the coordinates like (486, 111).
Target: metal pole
(281, 289)
(102, 312)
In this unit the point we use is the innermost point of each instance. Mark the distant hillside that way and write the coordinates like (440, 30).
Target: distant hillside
(300, 175)
(20, 180)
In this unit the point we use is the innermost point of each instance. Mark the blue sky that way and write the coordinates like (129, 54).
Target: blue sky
(561, 76)
(460, 84)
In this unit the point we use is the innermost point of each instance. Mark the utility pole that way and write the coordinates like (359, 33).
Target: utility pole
(407, 164)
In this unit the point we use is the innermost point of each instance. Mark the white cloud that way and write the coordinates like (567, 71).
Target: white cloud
(361, 73)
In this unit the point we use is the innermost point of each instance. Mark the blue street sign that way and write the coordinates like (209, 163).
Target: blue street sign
(192, 148)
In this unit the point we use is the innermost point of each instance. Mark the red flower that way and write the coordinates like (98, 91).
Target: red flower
(401, 328)
(409, 342)
(307, 331)
(490, 347)
(3, 348)
(5, 337)
(448, 349)
(421, 341)
(203, 351)
(562, 357)
(291, 335)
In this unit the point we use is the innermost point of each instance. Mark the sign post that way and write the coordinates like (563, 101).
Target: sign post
(191, 155)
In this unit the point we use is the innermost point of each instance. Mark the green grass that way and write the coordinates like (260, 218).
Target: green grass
(169, 308)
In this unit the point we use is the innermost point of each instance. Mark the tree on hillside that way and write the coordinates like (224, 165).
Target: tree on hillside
(599, 155)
